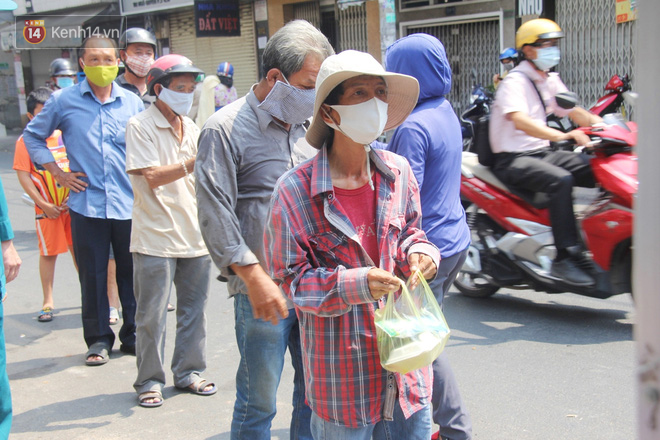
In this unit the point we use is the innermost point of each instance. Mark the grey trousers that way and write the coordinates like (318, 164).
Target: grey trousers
(152, 281)
(448, 408)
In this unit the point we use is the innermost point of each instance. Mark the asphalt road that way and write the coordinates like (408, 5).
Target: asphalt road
(531, 366)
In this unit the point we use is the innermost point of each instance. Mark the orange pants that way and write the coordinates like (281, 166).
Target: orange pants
(54, 235)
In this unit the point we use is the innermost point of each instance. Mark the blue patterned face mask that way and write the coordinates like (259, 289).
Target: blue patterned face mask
(289, 104)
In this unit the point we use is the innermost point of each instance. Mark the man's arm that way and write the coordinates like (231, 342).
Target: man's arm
(535, 129)
(584, 118)
(164, 174)
(216, 189)
(35, 135)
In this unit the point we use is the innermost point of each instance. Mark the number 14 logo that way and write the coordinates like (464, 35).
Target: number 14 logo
(34, 31)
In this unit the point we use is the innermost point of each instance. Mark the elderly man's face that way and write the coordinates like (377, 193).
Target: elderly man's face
(305, 78)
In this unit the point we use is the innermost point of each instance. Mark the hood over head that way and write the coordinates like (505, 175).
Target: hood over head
(423, 57)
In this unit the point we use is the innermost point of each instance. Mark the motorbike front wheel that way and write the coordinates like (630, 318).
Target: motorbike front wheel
(474, 286)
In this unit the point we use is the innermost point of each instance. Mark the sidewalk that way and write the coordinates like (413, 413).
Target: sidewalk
(56, 396)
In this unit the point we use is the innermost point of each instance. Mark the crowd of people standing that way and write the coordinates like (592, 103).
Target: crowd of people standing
(309, 220)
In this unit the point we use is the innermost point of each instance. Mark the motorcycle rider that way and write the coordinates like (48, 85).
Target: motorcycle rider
(62, 74)
(137, 52)
(520, 139)
(508, 60)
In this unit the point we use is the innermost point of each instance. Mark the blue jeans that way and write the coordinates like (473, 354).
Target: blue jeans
(262, 346)
(449, 411)
(417, 427)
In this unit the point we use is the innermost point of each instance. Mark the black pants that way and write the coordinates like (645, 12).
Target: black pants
(554, 173)
(92, 238)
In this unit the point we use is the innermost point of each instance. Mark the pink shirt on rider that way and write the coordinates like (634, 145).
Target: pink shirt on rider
(516, 94)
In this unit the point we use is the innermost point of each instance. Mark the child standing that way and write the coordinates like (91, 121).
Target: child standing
(53, 223)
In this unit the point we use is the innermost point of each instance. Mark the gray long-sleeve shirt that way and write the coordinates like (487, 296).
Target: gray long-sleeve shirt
(242, 152)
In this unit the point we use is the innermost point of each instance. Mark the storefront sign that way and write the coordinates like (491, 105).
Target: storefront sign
(626, 10)
(130, 7)
(217, 18)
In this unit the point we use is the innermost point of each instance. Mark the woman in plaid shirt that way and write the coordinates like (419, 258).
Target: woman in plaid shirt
(341, 224)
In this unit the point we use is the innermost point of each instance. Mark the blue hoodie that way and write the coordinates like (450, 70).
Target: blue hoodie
(431, 140)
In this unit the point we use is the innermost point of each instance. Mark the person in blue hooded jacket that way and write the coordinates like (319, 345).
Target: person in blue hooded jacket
(430, 139)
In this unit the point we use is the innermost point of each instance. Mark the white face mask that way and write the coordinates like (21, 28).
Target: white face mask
(363, 122)
(180, 103)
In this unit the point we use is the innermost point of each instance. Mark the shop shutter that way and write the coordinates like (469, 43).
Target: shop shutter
(206, 53)
(471, 46)
(595, 46)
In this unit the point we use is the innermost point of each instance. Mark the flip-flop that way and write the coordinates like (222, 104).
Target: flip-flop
(45, 315)
(198, 386)
(170, 307)
(97, 349)
(143, 397)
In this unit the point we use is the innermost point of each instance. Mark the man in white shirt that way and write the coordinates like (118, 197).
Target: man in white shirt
(521, 140)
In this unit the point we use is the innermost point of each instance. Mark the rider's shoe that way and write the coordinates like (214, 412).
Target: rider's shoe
(568, 270)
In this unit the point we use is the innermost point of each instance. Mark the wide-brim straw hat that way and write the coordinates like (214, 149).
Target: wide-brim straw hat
(402, 90)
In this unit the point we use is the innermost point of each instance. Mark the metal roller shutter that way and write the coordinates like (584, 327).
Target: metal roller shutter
(595, 46)
(208, 52)
(470, 46)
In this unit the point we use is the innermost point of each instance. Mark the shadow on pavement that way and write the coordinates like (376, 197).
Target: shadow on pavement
(23, 328)
(72, 414)
(529, 320)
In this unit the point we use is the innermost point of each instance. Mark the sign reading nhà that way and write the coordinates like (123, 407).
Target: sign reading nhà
(217, 18)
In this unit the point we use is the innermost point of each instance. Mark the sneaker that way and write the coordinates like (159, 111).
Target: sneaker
(567, 270)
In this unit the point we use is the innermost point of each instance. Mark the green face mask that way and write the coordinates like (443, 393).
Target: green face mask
(101, 75)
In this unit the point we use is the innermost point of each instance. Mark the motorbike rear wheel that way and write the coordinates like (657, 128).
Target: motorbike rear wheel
(474, 286)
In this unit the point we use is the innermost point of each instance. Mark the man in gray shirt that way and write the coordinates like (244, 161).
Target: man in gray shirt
(243, 149)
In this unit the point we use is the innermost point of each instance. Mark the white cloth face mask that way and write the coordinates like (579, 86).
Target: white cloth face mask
(363, 122)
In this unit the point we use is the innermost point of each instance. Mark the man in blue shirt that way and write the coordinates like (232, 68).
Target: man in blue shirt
(92, 116)
(431, 141)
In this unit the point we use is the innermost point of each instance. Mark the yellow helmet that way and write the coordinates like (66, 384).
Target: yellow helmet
(537, 29)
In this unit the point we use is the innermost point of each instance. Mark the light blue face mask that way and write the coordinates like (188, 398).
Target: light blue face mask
(547, 57)
(63, 81)
(289, 104)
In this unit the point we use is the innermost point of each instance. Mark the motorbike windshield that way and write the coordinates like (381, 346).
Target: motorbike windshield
(616, 119)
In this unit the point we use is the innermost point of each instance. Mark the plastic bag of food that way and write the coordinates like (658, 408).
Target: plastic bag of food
(411, 329)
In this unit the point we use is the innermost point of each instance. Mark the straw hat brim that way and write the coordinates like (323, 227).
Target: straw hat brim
(402, 93)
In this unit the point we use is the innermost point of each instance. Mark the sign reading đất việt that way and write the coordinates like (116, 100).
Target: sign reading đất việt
(217, 18)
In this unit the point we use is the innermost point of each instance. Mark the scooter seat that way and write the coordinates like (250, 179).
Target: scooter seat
(470, 164)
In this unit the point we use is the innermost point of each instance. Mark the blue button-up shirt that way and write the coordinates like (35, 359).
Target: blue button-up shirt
(94, 135)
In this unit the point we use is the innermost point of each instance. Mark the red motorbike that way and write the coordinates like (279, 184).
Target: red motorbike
(617, 93)
(512, 243)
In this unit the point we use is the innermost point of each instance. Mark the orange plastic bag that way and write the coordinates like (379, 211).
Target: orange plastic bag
(411, 329)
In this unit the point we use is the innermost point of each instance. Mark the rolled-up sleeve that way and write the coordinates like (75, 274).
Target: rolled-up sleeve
(217, 191)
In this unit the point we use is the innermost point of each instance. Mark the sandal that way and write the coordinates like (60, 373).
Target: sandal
(170, 307)
(114, 316)
(99, 349)
(150, 395)
(199, 387)
(45, 315)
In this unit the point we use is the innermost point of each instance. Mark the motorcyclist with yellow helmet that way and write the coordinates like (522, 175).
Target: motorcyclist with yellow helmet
(521, 139)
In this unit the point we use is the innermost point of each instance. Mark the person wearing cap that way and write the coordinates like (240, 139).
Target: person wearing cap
(508, 60)
(166, 243)
(430, 138)
(215, 92)
(342, 227)
(92, 116)
(520, 139)
(243, 149)
(137, 50)
(62, 74)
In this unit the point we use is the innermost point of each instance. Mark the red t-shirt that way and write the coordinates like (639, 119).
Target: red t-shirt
(360, 207)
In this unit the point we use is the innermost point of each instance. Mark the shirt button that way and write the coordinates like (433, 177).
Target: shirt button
(389, 197)
(330, 196)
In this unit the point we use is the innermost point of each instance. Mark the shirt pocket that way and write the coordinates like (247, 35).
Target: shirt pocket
(330, 249)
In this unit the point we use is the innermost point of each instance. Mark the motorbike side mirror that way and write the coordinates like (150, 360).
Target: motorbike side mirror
(566, 100)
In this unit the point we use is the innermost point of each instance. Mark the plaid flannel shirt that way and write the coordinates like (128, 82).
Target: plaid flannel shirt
(313, 252)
